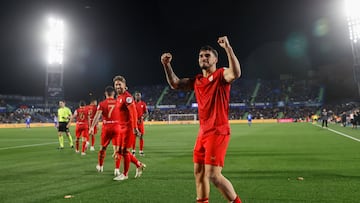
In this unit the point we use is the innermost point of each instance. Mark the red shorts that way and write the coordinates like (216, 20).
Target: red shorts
(126, 138)
(82, 130)
(211, 149)
(110, 133)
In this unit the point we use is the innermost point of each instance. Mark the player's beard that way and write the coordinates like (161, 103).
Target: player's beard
(120, 91)
(204, 65)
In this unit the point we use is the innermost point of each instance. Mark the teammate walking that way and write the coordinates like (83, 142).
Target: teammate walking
(142, 113)
(128, 128)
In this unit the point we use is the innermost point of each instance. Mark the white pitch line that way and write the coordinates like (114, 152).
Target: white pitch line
(24, 146)
(340, 133)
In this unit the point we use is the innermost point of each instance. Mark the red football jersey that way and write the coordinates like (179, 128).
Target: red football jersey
(110, 111)
(124, 100)
(140, 108)
(213, 96)
(92, 111)
(82, 116)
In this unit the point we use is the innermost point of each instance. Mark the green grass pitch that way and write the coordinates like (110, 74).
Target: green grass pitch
(263, 162)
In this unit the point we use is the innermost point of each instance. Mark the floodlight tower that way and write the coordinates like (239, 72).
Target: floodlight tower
(54, 89)
(353, 18)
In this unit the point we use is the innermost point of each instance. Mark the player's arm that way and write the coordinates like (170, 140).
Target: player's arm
(57, 119)
(146, 114)
(89, 118)
(95, 121)
(133, 117)
(71, 117)
(234, 71)
(171, 77)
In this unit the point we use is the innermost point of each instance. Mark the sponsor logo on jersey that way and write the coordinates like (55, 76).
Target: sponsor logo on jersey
(129, 100)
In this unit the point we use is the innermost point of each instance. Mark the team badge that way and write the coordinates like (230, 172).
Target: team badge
(129, 100)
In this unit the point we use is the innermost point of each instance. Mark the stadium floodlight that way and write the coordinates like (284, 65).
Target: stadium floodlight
(353, 17)
(55, 41)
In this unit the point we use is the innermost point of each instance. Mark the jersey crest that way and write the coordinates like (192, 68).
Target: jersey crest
(211, 78)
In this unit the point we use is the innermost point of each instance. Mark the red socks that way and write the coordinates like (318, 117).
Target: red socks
(134, 160)
(237, 200)
(126, 163)
(101, 157)
(117, 160)
(141, 144)
(92, 140)
(203, 200)
(77, 144)
(83, 146)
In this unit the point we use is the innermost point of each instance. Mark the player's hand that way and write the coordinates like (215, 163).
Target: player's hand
(114, 155)
(224, 42)
(91, 131)
(137, 132)
(166, 58)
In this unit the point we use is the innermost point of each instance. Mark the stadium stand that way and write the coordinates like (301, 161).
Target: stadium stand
(264, 99)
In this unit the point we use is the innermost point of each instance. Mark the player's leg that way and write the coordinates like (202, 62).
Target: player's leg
(126, 156)
(68, 134)
(202, 183)
(213, 173)
(77, 138)
(117, 141)
(141, 139)
(61, 140)
(85, 137)
(133, 147)
(140, 167)
(61, 129)
(216, 146)
(92, 148)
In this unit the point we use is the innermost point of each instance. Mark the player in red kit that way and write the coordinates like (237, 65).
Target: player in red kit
(81, 115)
(142, 113)
(128, 126)
(212, 91)
(92, 111)
(109, 110)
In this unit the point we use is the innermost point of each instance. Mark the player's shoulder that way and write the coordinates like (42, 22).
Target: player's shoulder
(127, 94)
(128, 97)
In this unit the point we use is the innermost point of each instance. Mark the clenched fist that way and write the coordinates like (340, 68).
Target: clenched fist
(224, 42)
(166, 58)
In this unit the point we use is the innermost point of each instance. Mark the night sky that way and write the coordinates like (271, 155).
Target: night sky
(107, 38)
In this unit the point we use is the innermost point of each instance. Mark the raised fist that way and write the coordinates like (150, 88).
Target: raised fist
(166, 58)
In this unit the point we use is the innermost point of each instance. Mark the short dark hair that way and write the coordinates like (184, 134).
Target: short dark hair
(109, 90)
(82, 103)
(209, 48)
